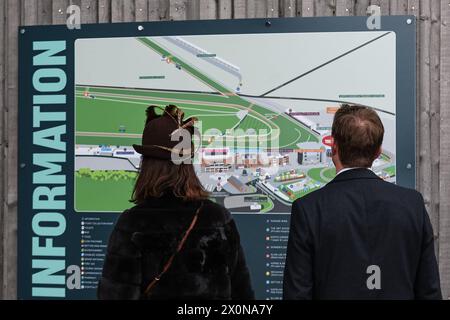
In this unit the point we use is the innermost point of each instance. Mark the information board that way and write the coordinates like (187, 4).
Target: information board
(265, 93)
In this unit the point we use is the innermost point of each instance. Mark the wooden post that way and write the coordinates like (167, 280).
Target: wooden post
(288, 8)
(128, 11)
(240, 9)
(424, 146)
(308, 8)
(193, 9)
(361, 7)
(177, 9)
(141, 9)
(434, 159)
(116, 10)
(158, 10)
(29, 10)
(225, 9)
(273, 9)
(104, 11)
(444, 190)
(260, 8)
(325, 8)
(59, 11)
(2, 138)
(44, 12)
(89, 11)
(13, 13)
(345, 7)
(383, 4)
(207, 10)
(414, 7)
(399, 7)
(250, 9)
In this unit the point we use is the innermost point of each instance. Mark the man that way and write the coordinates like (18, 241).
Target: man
(360, 237)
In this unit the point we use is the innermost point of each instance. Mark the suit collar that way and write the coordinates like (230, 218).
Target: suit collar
(355, 174)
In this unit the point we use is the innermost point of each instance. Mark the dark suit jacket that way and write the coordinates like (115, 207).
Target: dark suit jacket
(356, 221)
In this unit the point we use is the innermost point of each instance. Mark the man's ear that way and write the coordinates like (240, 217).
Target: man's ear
(334, 148)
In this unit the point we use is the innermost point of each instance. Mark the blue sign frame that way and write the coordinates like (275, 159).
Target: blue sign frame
(48, 232)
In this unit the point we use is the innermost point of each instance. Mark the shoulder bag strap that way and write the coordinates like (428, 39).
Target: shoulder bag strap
(179, 248)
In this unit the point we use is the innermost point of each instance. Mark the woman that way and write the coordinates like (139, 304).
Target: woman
(175, 243)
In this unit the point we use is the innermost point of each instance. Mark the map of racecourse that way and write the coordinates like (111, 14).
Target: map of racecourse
(265, 103)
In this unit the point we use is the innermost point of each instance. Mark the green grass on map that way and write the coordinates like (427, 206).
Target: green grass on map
(109, 195)
(267, 205)
(328, 174)
(391, 171)
(94, 115)
(109, 114)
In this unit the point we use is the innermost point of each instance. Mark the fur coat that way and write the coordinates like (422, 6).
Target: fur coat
(211, 266)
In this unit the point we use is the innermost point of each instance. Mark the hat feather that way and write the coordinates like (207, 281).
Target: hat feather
(151, 114)
(189, 124)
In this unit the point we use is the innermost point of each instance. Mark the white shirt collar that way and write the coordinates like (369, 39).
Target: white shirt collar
(349, 169)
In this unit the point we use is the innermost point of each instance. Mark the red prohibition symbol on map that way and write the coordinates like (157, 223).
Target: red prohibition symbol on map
(328, 141)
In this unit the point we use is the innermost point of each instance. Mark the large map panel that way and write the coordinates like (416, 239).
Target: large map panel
(265, 103)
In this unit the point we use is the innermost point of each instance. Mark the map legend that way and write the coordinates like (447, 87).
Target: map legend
(277, 233)
(93, 247)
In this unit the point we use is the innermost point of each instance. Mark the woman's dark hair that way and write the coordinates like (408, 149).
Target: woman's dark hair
(158, 177)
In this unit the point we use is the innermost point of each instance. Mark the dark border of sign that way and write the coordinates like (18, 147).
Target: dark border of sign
(405, 77)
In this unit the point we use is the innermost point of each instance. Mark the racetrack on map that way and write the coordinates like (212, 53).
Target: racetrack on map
(101, 115)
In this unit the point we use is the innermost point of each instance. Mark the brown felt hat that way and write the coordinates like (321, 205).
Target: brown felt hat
(158, 134)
